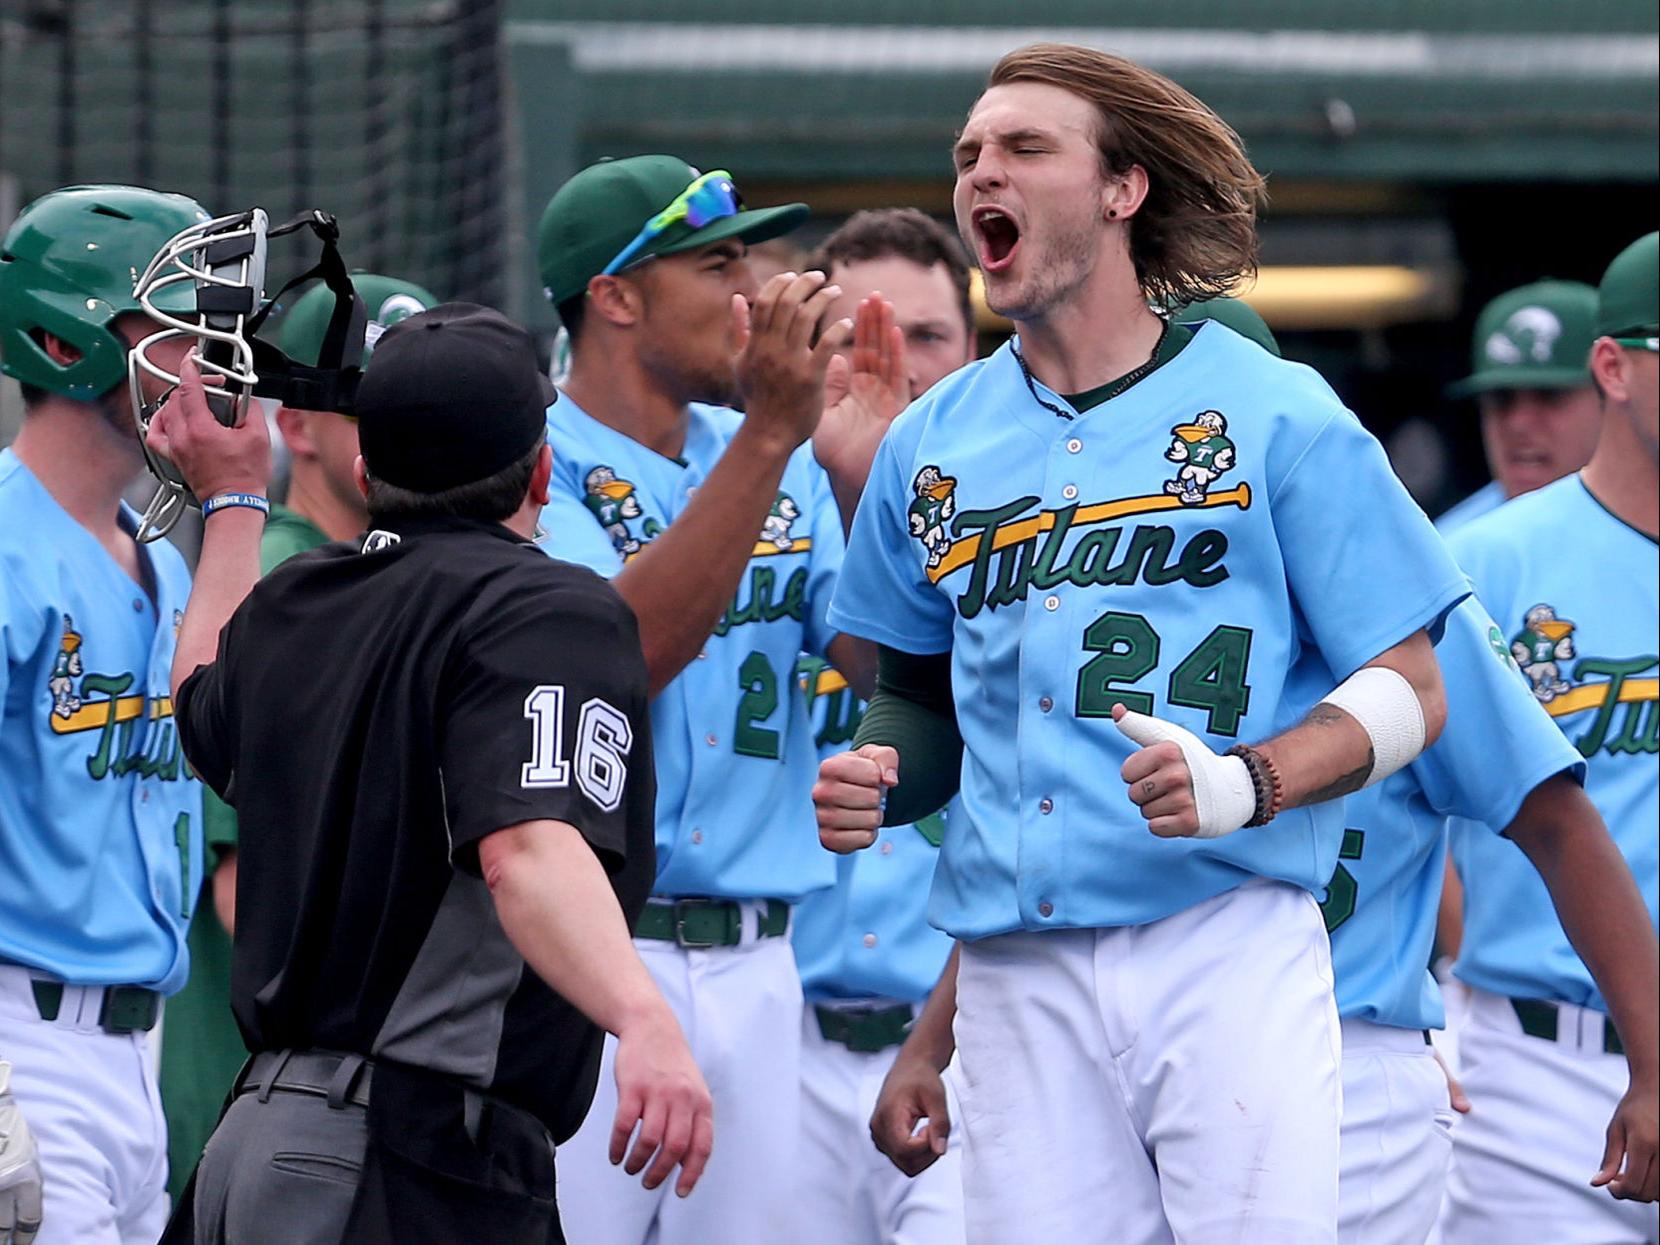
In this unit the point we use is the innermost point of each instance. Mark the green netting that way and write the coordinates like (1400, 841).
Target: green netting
(388, 113)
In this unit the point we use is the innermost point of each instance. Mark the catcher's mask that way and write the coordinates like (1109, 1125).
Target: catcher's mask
(225, 260)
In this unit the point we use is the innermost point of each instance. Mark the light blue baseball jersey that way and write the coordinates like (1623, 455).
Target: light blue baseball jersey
(1486, 499)
(1381, 905)
(868, 936)
(1069, 564)
(100, 818)
(731, 734)
(1577, 593)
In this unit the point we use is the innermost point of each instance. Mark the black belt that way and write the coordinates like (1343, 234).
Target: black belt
(699, 923)
(124, 1009)
(1541, 1019)
(866, 1029)
(340, 1078)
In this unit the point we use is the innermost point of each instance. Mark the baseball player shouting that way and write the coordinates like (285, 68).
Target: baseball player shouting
(1499, 759)
(724, 535)
(100, 819)
(1146, 1032)
(1540, 1052)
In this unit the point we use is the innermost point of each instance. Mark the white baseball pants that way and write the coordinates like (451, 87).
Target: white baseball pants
(1397, 1136)
(1176, 1082)
(1539, 1110)
(92, 1102)
(740, 1008)
(849, 1193)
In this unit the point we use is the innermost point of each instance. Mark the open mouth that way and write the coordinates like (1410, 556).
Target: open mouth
(999, 237)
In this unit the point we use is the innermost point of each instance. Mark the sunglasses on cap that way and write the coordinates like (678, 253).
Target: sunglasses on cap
(710, 198)
(1639, 343)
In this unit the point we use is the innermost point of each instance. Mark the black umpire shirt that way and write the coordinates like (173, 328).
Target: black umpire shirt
(373, 712)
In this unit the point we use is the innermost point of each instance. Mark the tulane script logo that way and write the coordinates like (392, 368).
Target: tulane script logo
(1017, 548)
(134, 732)
(1627, 706)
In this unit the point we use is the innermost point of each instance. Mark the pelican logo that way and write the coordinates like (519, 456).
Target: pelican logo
(1528, 336)
(397, 307)
(380, 539)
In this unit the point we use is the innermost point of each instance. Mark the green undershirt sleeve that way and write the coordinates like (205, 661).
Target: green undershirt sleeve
(912, 712)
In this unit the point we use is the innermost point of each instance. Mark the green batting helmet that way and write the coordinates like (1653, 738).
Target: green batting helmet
(68, 266)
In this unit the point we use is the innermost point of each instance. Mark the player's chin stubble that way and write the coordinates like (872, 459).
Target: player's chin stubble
(1055, 272)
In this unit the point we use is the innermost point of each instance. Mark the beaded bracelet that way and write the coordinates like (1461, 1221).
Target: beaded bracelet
(225, 501)
(1265, 781)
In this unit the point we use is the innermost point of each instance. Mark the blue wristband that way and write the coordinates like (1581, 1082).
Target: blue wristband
(224, 501)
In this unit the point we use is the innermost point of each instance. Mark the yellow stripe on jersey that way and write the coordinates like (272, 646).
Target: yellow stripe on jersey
(963, 552)
(94, 715)
(1593, 695)
(766, 549)
(829, 680)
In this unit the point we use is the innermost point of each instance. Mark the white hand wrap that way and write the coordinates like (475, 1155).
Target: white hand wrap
(19, 1169)
(1222, 789)
(1385, 705)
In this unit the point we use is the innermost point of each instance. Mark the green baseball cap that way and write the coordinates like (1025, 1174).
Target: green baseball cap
(1237, 315)
(1535, 337)
(592, 217)
(1628, 301)
(386, 299)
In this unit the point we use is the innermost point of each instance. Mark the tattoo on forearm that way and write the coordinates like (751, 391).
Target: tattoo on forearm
(1349, 783)
(1324, 714)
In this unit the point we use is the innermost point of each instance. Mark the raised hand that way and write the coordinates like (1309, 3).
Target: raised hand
(212, 458)
(780, 366)
(863, 392)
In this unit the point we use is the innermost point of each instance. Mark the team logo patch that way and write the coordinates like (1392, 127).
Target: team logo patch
(1622, 693)
(397, 307)
(134, 731)
(931, 511)
(614, 502)
(775, 529)
(1543, 643)
(67, 670)
(1204, 454)
(1529, 335)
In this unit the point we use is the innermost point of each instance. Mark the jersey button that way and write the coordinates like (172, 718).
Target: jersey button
(1070, 492)
(144, 795)
(1045, 703)
(869, 940)
(1051, 603)
(887, 847)
(1046, 805)
(138, 606)
(703, 656)
(697, 836)
(1046, 908)
(710, 740)
(1074, 445)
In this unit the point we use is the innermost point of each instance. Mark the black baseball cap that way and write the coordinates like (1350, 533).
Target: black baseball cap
(455, 396)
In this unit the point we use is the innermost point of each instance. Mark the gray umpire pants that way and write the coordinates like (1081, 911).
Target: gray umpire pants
(280, 1170)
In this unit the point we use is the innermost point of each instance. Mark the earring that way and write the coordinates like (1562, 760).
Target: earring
(1112, 213)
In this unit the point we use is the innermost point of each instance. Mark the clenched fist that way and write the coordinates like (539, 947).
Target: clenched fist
(849, 795)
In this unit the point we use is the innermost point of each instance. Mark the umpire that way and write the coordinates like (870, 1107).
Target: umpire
(437, 743)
